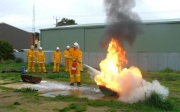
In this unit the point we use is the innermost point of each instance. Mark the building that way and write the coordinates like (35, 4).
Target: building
(157, 48)
(19, 39)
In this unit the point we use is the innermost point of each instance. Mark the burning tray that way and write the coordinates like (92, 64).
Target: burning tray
(31, 79)
(106, 91)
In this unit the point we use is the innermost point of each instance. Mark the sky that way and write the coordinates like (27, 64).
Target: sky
(19, 13)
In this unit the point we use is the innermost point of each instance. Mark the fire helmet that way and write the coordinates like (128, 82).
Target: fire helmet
(68, 47)
(57, 48)
(76, 45)
(40, 48)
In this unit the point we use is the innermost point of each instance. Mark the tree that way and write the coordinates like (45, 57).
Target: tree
(6, 51)
(66, 21)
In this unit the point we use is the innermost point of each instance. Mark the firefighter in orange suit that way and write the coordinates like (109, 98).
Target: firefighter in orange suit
(76, 60)
(31, 59)
(41, 60)
(57, 58)
(66, 56)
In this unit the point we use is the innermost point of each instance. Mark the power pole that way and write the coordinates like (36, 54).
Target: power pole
(56, 20)
(33, 22)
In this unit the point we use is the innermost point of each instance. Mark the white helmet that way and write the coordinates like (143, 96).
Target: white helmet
(68, 47)
(40, 48)
(76, 44)
(57, 48)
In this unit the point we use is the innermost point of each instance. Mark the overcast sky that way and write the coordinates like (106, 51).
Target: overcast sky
(19, 13)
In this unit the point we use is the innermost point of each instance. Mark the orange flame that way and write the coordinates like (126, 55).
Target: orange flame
(112, 75)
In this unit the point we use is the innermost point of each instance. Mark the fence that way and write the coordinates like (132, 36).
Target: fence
(144, 61)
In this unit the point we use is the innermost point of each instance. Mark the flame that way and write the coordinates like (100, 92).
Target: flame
(113, 75)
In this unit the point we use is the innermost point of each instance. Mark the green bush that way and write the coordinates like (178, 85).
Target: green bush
(6, 51)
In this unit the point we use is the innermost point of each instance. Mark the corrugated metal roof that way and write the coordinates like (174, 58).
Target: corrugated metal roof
(2, 23)
(162, 21)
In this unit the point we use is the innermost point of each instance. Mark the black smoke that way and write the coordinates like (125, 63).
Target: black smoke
(122, 23)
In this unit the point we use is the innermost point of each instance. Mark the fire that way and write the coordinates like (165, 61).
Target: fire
(113, 75)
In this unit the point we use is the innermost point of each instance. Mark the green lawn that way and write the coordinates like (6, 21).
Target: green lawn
(26, 98)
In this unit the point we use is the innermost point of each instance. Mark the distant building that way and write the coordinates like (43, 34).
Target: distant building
(157, 48)
(161, 36)
(18, 38)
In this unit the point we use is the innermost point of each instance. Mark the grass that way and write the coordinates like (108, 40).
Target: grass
(157, 100)
(167, 77)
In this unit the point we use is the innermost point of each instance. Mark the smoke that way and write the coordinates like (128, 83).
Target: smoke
(144, 91)
(131, 87)
(123, 23)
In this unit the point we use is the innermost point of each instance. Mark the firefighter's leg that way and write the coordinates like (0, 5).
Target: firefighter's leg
(71, 75)
(72, 78)
(58, 67)
(33, 68)
(66, 65)
(29, 67)
(78, 73)
(43, 67)
(70, 66)
(54, 67)
(39, 67)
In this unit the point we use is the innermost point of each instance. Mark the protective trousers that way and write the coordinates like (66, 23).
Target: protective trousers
(66, 64)
(30, 66)
(56, 67)
(77, 74)
(41, 66)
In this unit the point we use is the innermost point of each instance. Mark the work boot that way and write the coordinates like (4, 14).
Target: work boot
(78, 83)
(71, 84)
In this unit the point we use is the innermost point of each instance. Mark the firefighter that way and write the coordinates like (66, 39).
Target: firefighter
(41, 60)
(66, 56)
(76, 60)
(31, 59)
(56, 58)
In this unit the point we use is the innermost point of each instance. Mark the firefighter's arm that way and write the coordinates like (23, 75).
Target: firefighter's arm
(35, 56)
(44, 58)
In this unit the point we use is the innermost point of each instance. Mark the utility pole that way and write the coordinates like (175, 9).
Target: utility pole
(33, 22)
(56, 20)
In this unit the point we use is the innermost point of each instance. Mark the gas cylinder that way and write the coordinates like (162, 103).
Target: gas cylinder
(23, 70)
(74, 67)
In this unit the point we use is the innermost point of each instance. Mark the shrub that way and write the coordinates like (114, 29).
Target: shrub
(6, 51)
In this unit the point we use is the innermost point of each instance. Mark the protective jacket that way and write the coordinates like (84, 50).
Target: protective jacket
(31, 55)
(57, 57)
(67, 59)
(41, 57)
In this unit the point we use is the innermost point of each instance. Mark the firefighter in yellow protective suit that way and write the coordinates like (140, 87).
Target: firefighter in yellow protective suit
(76, 60)
(66, 56)
(31, 59)
(56, 58)
(41, 60)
